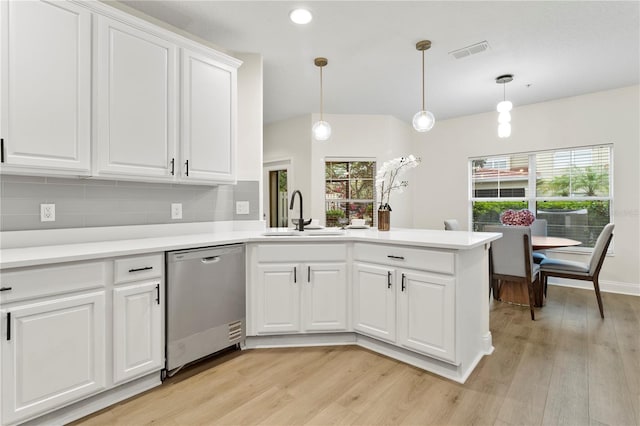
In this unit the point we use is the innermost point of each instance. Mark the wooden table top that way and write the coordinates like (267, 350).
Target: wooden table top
(542, 243)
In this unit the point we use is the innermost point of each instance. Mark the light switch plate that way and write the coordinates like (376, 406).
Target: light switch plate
(47, 212)
(242, 207)
(176, 210)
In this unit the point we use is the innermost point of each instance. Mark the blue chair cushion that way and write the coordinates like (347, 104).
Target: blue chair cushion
(559, 265)
(538, 257)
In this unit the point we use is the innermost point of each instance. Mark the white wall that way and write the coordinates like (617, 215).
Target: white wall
(604, 117)
(249, 164)
(289, 140)
(370, 136)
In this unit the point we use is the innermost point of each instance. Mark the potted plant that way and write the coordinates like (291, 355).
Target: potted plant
(332, 217)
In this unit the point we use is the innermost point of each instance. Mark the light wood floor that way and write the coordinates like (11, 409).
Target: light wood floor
(568, 367)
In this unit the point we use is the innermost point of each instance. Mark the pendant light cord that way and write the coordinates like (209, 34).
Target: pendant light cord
(321, 100)
(423, 80)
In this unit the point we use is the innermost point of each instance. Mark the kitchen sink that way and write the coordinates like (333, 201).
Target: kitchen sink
(286, 232)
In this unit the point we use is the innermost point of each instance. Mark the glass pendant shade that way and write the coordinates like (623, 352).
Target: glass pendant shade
(504, 117)
(504, 130)
(321, 131)
(423, 121)
(504, 106)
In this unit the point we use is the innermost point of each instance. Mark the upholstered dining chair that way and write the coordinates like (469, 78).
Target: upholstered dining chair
(511, 259)
(588, 271)
(451, 225)
(539, 227)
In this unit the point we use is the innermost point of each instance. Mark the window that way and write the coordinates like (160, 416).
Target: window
(349, 191)
(570, 188)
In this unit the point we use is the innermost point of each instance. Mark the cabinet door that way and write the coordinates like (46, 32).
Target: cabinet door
(324, 297)
(426, 313)
(137, 331)
(278, 298)
(208, 119)
(53, 354)
(46, 86)
(374, 301)
(136, 102)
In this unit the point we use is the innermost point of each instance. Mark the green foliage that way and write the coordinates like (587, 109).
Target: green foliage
(336, 213)
(488, 212)
(592, 182)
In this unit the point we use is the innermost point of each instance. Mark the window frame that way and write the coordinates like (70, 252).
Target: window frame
(373, 160)
(531, 197)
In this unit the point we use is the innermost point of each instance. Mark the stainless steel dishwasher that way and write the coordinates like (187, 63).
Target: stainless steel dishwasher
(205, 302)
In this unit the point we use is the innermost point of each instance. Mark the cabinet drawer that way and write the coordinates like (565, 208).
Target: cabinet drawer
(301, 252)
(137, 268)
(32, 282)
(425, 259)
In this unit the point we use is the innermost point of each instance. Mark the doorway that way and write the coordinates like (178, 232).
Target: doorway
(278, 198)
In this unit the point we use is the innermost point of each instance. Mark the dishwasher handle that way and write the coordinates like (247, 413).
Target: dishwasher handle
(210, 259)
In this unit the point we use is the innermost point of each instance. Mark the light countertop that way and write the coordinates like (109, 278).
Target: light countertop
(67, 252)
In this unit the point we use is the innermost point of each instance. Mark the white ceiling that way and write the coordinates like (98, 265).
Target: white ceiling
(554, 49)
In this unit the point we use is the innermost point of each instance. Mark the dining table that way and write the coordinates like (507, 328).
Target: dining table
(539, 242)
(513, 292)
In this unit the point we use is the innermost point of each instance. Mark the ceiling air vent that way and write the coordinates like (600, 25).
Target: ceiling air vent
(470, 50)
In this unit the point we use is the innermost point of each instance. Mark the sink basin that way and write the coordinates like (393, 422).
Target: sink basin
(285, 232)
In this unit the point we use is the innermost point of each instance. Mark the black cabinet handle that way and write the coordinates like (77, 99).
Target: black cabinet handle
(308, 274)
(395, 257)
(5, 288)
(186, 163)
(173, 166)
(403, 285)
(146, 268)
(2, 150)
(8, 325)
(295, 274)
(388, 279)
(158, 293)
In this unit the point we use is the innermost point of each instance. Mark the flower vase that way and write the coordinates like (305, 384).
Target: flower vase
(384, 220)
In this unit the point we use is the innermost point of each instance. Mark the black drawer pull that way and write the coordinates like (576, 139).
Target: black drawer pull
(8, 325)
(308, 274)
(186, 163)
(390, 256)
(388, 279)
(5, 288)
(173, 166)
(295, 274)
(403, 285)
(1, 150)
(146, 268)
(158, 293)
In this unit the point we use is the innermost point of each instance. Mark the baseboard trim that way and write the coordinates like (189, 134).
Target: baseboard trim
(605, 286)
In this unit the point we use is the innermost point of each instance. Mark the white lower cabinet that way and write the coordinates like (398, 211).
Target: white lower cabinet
(324, 297)
(75, 329)
(301, 297)
(426, 313)
(53, 352)
(137, 332)
(374, 301)
(298, 296)
(277, 298)
(414, 309)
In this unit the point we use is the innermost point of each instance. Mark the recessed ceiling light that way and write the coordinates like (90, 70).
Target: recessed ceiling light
(300, 16)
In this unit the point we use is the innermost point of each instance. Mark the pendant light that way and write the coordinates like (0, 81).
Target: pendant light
(321, 129)
(423, 121)
(504, 108)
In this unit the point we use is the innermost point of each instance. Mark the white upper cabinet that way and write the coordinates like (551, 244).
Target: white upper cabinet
(136, 102)
(46, 87)
(208, 118)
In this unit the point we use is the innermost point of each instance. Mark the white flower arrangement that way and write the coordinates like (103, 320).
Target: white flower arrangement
(389, 177)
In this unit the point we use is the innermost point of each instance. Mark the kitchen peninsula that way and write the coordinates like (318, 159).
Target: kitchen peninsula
(419, 296)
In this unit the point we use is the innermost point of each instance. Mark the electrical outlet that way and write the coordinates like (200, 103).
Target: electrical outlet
(176, 210)
(242, 207)
(47, 212)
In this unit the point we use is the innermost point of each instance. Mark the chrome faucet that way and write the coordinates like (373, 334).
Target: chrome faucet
(300, 222)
